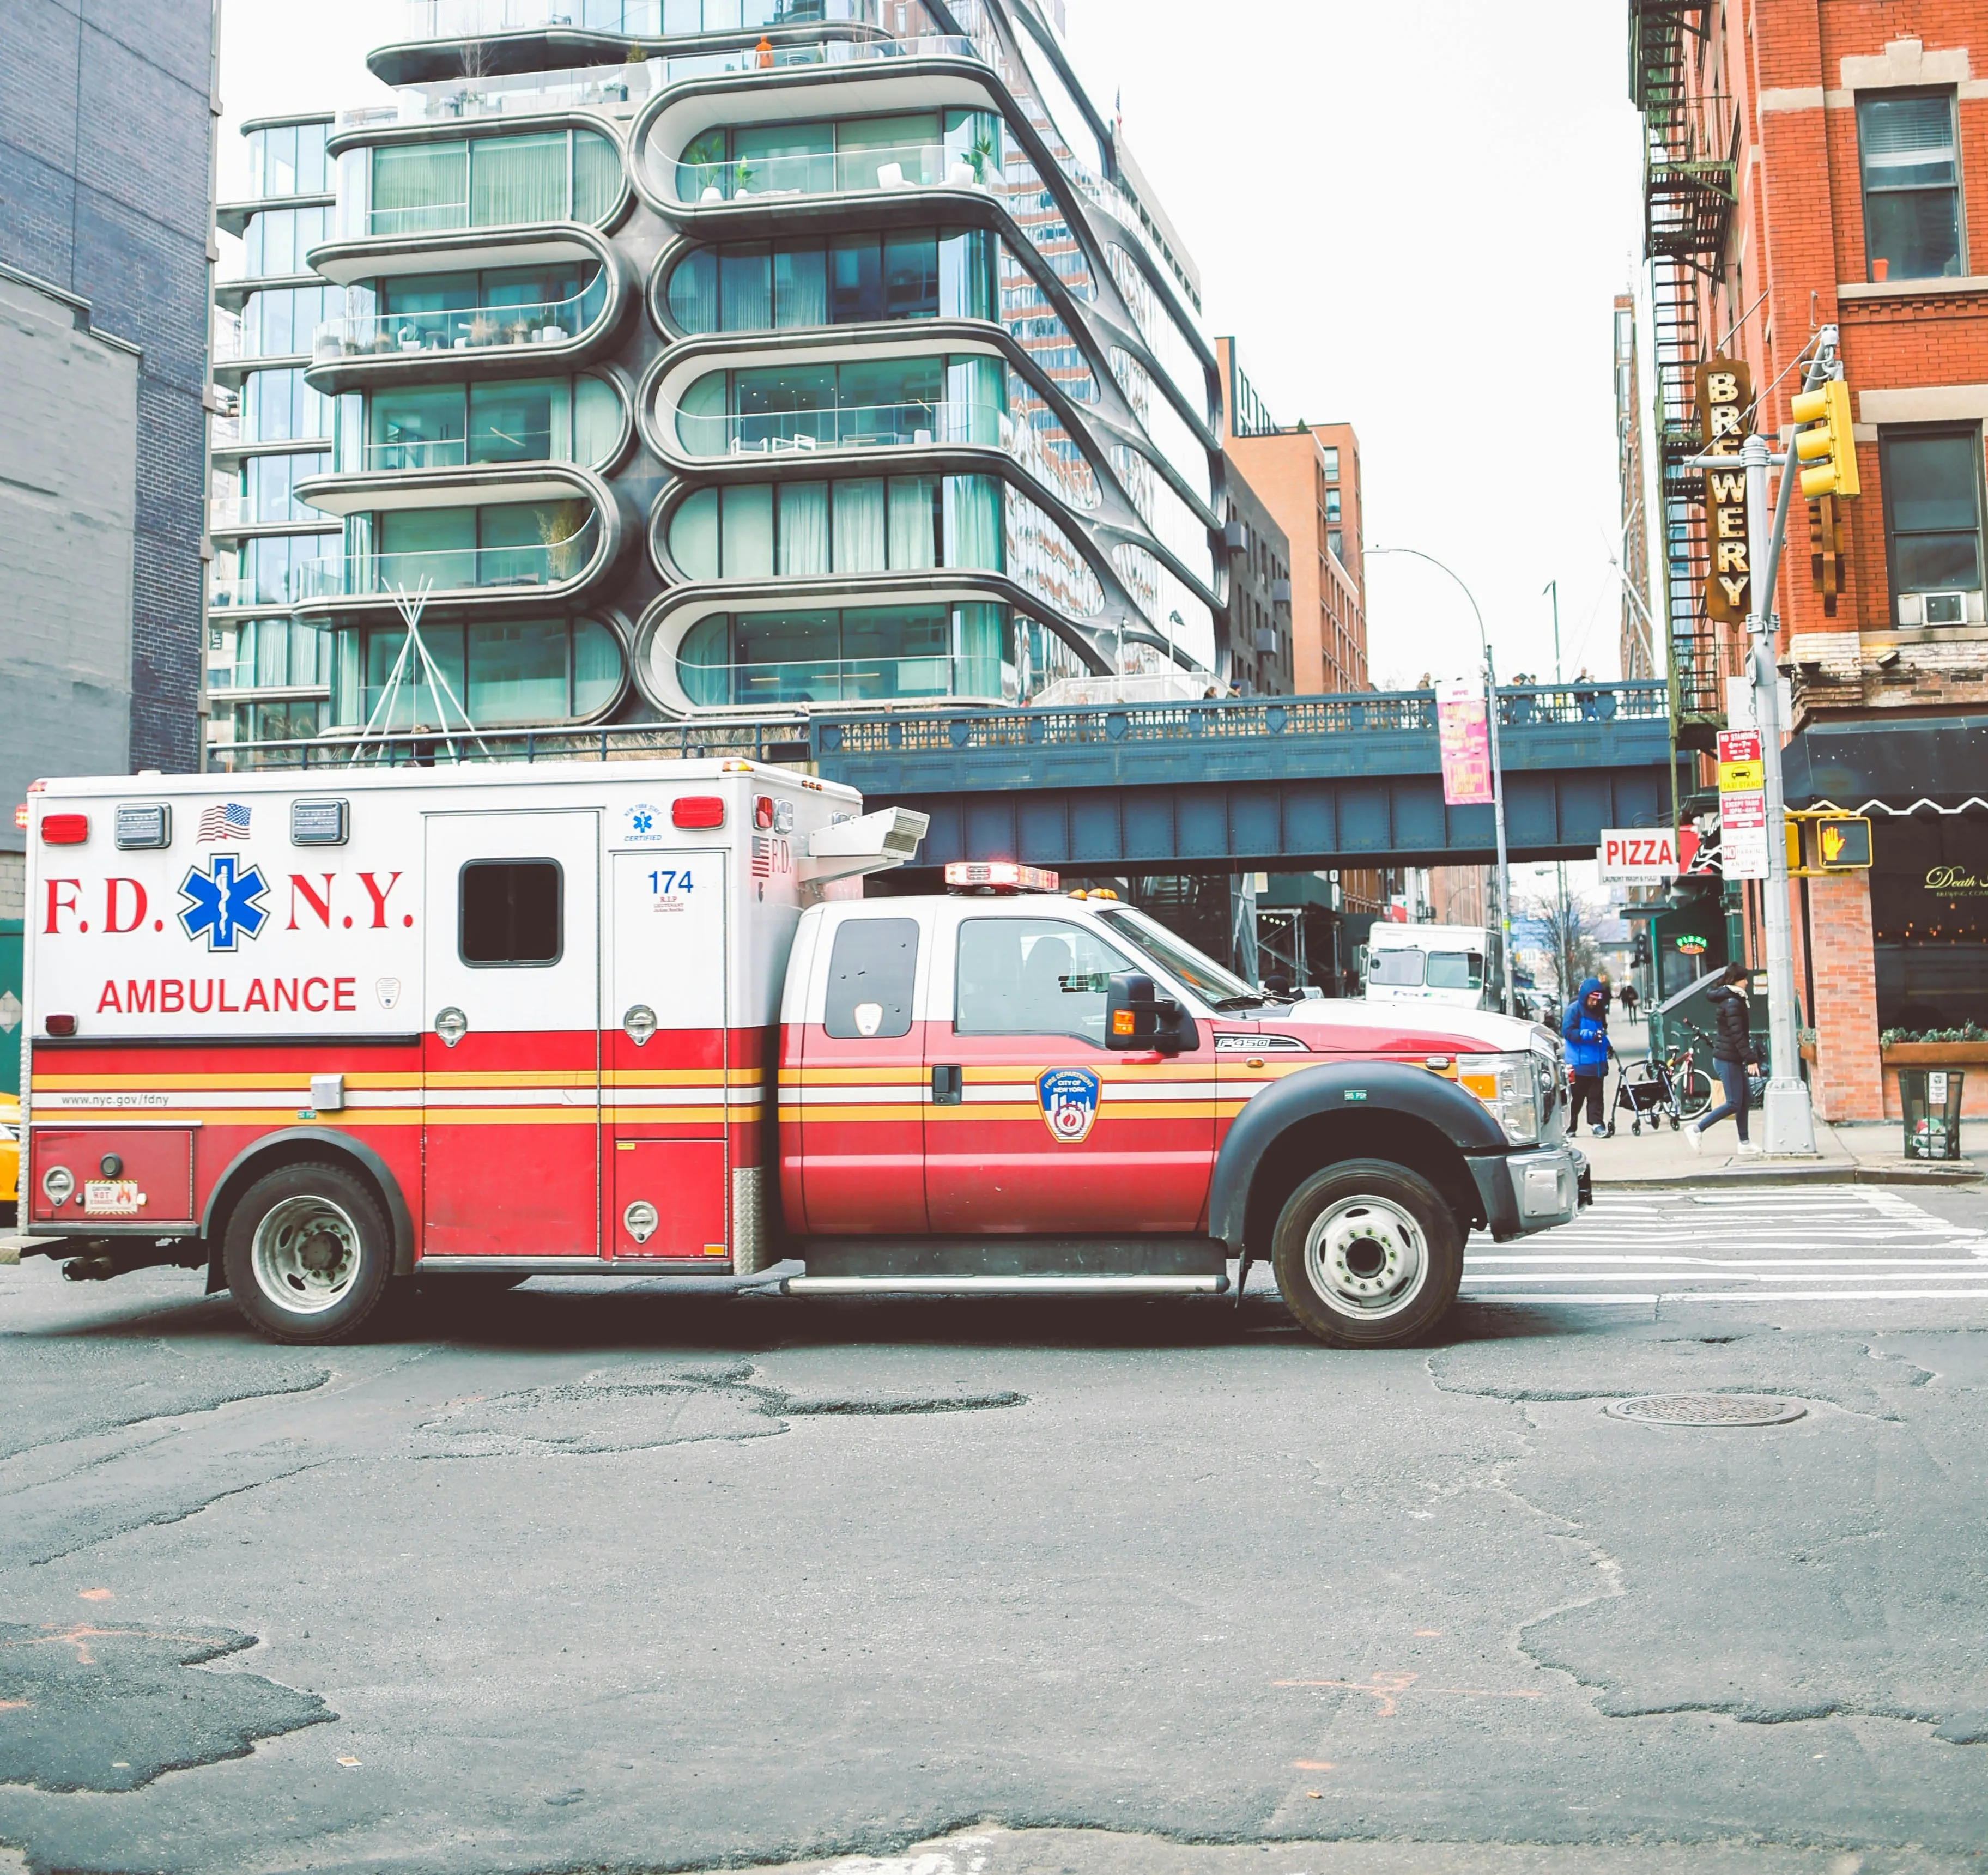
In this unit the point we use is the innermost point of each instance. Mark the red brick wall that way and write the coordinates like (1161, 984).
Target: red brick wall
(1849, 1077)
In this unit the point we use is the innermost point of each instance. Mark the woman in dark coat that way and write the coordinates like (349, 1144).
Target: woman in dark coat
(1733, 1050)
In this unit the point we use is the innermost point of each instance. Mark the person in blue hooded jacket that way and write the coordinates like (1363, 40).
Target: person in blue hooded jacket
(1585, 1029)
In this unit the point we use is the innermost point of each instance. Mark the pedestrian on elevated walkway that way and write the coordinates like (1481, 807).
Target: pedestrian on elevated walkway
(1733, 1051)
(1585, 1029)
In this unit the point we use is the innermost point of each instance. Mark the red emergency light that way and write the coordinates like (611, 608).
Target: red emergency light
(21, 814)
(65, 829)
(999, 876)
(763, 811)
(698, 810)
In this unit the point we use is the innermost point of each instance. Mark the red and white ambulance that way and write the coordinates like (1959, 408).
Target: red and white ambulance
(315, 1034)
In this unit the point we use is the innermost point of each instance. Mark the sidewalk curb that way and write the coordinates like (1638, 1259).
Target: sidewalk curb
(1801, 1175)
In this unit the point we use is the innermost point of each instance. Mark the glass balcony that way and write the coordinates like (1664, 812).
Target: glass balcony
(226, 511)
(520, 94)
(844, 680)
(645, 19)
(446, 569)
(867, 426)
(908, 166)
(468, 328)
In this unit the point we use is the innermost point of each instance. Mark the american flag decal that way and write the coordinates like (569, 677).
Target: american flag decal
(230, 821)
(762, 856)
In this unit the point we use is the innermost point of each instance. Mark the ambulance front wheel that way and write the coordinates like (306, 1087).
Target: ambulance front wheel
(1367, 1254)
(307, 1253)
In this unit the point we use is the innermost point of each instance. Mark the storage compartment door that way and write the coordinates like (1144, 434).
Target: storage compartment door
(669, 1199)
(127, 1175)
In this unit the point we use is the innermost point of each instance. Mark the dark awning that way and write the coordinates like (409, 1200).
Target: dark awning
(1893, 763)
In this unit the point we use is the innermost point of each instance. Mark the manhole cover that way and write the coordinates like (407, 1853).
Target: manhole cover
(1707, 1410)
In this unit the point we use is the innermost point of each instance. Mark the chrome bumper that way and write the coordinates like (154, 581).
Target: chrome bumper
(1527, 1191)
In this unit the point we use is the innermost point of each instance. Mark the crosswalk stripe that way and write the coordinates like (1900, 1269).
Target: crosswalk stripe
(1648, 1249)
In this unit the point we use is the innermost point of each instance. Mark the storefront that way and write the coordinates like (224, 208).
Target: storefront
(1897, 958)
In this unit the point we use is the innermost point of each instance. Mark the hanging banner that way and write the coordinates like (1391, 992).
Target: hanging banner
(1464, 734)
(1743, 804)
(1725, 414)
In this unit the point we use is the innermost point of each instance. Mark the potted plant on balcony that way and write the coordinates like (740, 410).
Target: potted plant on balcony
(482, 330)
(517, 333)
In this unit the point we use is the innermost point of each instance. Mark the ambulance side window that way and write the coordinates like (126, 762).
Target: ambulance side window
(508, 912)
(1033, 977)
(871, 974)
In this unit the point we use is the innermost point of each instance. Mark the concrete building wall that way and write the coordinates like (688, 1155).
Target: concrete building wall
(68, 435)
(106, 123)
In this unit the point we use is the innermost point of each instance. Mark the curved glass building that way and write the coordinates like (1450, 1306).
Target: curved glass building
(703, 355)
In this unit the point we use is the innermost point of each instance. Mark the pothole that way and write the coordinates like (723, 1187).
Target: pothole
(1707, 1410)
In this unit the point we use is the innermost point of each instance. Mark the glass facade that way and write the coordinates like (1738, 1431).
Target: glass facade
(547, 305)
(275, 241)
(288, 159)
(265, 485)
(960, 149)
(860, 402)
(858, 654)
(897, 523)
(504, 672)
(416, 188)
(501, 544)
(506, 420)
(278, 406)
(279, 322)
(767, 286)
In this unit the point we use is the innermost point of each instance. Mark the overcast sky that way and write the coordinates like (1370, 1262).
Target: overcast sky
(1413, 217)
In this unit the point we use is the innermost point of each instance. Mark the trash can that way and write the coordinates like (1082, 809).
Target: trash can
(1931, 1097)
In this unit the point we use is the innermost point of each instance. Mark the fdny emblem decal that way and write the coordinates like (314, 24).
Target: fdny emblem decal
(1069, 1097)
(223, 901)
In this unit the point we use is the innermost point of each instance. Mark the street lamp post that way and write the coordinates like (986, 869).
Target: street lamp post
(1497, 765)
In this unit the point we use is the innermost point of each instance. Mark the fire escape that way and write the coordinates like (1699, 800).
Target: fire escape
(1690, 195)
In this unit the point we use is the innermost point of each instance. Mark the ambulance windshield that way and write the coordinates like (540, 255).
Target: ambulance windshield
(1180, 960)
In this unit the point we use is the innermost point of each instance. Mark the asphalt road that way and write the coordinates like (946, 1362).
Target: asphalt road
(578, 1578)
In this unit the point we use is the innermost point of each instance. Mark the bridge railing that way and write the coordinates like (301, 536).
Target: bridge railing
(809, 733)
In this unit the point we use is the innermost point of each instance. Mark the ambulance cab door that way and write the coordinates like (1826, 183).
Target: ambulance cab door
(668, 1187)
(511, 1041)
(862, 1072)
(1034, 1127)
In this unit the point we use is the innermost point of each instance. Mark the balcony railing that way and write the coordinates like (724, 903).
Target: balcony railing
(551, 321)
(641, 19)
(905, 166)
(375, 576)
(916, 425)
(226, 511)
(521, 94)
(866, 426)
(851, 680)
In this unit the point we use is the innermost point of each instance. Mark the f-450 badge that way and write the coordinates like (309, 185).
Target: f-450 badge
(1069, 1097)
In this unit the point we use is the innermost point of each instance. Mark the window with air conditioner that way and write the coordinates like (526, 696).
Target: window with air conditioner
(1931, 482)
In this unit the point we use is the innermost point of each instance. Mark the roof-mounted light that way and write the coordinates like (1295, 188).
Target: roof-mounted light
(999, 876)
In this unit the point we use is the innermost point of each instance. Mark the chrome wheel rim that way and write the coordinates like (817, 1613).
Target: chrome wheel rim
(1366, 1257)
(306, 1256)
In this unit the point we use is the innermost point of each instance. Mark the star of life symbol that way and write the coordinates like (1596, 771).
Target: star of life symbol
(1069, 1098)
(640, 821)
(223, 901)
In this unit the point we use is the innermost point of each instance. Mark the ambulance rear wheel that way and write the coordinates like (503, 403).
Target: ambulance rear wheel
(1367, 1254)
(308, 1253)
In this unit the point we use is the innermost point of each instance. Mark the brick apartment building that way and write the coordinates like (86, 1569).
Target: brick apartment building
(1820, 161)
(1308, 476)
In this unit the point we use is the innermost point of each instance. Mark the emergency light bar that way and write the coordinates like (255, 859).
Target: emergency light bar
(999, 876)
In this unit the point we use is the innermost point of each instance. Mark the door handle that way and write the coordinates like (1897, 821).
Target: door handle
(452, 1024)
(949, 1086)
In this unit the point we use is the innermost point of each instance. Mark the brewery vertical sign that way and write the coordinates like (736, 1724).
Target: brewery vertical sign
(1725, 416)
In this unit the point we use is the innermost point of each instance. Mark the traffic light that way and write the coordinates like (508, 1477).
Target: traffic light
(1820, 843)
(1843, 845)
(1826, 441)
(1825, 552)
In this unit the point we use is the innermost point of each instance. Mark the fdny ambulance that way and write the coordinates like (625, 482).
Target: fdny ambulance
(319, 1035)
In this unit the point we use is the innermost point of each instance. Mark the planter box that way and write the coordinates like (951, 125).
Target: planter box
(1971, 1057)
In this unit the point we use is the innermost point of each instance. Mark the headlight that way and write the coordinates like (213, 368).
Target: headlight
(1510, 1086)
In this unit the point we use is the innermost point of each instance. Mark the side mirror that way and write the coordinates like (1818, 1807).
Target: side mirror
(1137, 1018)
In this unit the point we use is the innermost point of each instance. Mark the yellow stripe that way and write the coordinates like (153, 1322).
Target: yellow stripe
(995, 1110)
